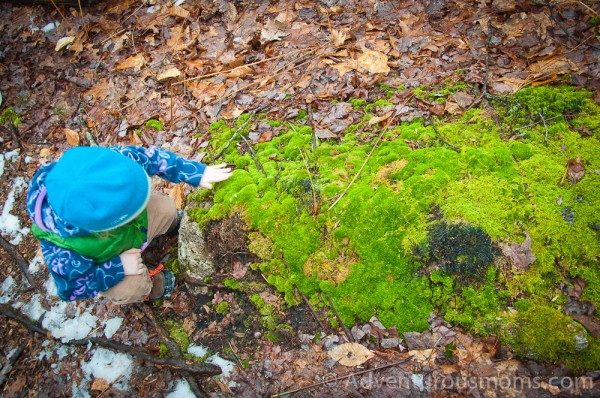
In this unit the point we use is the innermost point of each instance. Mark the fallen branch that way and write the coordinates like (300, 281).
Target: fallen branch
(233, 136)
(21, 262)
(346, 330)
(171, 345)
(336, 379)
(366, 160)
(10, 361)
(311, 310)
(175, 364)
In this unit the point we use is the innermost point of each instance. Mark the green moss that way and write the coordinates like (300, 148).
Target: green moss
(178, 334)
(163, 351)
(369, 252)
(222, 308)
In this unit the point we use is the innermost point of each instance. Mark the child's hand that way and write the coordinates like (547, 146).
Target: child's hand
(132, 262)
(219, 172)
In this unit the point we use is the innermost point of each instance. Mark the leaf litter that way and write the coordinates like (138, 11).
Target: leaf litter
(103, 73)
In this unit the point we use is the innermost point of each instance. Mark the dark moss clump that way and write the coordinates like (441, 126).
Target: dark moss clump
(461, 250)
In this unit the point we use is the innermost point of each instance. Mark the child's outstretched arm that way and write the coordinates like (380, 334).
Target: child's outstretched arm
(77, 277)
(165, 164)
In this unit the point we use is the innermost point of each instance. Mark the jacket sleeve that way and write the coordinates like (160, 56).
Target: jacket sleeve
(77, 277)
(163, 163)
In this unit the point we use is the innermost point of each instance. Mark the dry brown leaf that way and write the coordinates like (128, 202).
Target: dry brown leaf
(64, 42)
(72, 137)
(240, 71)
(101, 89)
(338, 37)
(178, 11)
(100, 385)
(272, 31)
(351, 354)
(377, 119)
(239, 270)
(521, 255)
(452, 108)
(135, 61)
(168, 74)
(342, 68)
(424, 357)
(178, 195)
(45, 152)
(196, 63)
(372, 62)
(553, 65)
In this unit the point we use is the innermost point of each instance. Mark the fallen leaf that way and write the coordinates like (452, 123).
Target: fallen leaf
(272, 31)
(178, 195)
(100, 385)
(102, 89)
(521, 255)
(452, 108)
(45, 152)
(424, 357)
(240, 71)
(64, 42)
(239, 270)
(575, 170)
(338, 37)
(72, 137)
(324, 134)
(558, 65)
(178, 11)
(463, 99)
(372, 62)
(377, 119)
(351, 354)
(168, 74)
(135, 61)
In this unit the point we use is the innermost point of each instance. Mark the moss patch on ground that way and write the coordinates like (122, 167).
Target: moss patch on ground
(372, 251)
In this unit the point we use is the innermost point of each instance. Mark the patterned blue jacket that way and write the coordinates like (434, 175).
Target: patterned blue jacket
(77, 277)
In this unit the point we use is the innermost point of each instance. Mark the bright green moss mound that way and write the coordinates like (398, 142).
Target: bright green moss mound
(366, 252)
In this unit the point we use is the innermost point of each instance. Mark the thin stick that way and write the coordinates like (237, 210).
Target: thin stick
(346, 330)
(233, 136)
(246, 65)
(312, 185)
(336, 379)
(487, 57)
(61, 14)
(10, 362)
(257, 162)
(175, 364)
(546, 127)
(453, 147)
(21, 262)
(81, 15)
(365, 162)
(313, 312)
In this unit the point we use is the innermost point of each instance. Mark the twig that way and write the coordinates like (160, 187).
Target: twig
(257, 162)
(21, 262)
(10, 361)
(171, 345)
(312, 127)
(536, 123)
(175, 364)
(233, 136)
(365, 162)
(246, 65)
(546, 127)
(336, 379)
(487, 57)
(61, 14)
(346, 330)
(442, 140)
(313, 312)
(312, 185)
(561, 26)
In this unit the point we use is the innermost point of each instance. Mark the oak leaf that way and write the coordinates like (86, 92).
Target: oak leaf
(71, 136)
(351, 354)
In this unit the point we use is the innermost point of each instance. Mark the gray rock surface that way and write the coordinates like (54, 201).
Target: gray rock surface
(192, 250)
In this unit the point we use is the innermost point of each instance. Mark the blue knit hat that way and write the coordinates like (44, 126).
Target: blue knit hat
(97, 189)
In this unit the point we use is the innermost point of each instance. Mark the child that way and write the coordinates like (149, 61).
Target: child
(94, 213)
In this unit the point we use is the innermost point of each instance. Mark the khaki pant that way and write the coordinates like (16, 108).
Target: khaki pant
(162, 215)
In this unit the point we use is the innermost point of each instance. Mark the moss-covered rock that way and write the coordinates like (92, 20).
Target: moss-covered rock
(369, 252)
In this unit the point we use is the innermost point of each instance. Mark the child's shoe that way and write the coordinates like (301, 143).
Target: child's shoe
(163, 285)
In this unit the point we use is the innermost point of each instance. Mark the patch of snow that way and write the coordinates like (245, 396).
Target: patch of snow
(10, 224)
(34, 308)
(111, 326)
(417, 380)
(28, 159)
(80, 391)
(63, 350)
(179, 2)
(50, 27)
(198, 351)
(153, 9)
(50, 286)
(6, 289)
(109, 366)
(1, 164)
(225, 365)
(182, 390)
(12, 155)
(65, 328)
(34, 265)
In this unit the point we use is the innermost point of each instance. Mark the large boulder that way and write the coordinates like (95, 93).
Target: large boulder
(193, 258)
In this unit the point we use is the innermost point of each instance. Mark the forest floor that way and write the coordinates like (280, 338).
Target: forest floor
(159, 73)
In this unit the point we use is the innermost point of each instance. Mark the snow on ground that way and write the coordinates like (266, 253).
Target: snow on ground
(182, 390)
(10, 224)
